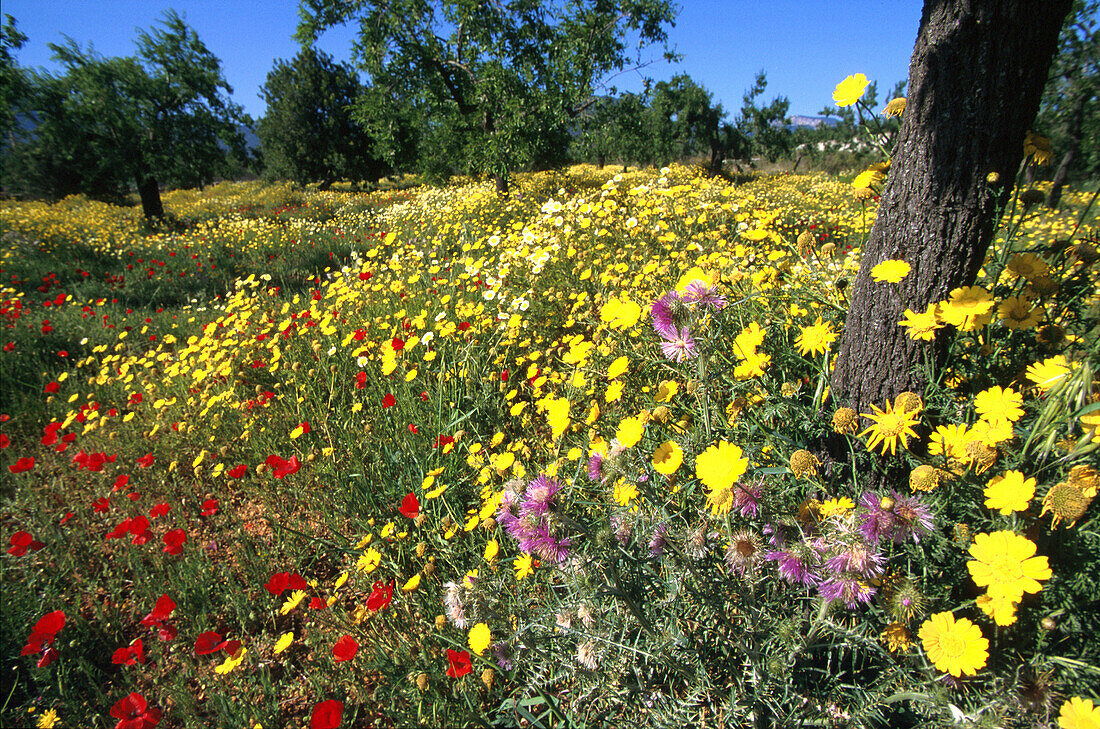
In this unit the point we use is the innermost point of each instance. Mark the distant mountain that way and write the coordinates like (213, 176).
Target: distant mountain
(813, 122)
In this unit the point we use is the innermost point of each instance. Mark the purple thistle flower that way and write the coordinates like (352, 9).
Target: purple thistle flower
(746, 498)
(847, 589)
(537, 498)
(666, 314)
(658, 541)
(792, 568)
(914, 518)
(621, 529)
(896, 517)
(877, 520)
(857, 558)
(679, 345)
(699, 292)
(595, 461)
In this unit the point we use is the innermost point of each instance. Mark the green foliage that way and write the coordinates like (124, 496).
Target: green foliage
(162, 115)
(307, 133)
(483, 88)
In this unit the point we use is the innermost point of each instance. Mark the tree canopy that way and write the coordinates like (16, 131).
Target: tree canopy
(308, 133)
(160, 116)
(486, 87)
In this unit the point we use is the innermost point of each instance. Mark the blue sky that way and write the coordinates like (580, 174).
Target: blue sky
(805, 46)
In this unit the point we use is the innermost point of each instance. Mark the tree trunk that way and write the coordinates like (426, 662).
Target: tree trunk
(150, 197)
(975, 79)
(1073, 138)
(501, 183)
(600, 161)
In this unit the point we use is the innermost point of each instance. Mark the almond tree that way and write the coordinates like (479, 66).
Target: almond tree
(975, 80)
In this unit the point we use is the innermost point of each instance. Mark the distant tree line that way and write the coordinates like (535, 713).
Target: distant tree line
(438, 87)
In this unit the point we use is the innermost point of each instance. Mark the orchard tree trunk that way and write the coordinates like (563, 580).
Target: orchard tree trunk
(1073, 138)
(149, 190)
(975, 79)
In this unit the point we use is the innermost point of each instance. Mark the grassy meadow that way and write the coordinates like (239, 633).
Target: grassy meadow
(438, 456)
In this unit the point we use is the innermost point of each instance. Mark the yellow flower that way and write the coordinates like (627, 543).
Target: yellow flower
(955, 647)
(557, 414)
(630, 431)
(1004, 564)
(491, 550)
(896, 637)
(895, 107)
(625, 492)
(719, 467)
(890, 271)
(1038, 148)
(523, 566)
(618, 367)
(867, 179)
(817, 338)
(922, 326)
(1048, 373)
(411, 584)
(1009, 492)
(48, 720)
(284, 642)
(369, 561)
(293, 601)
(231, 662)
(666, 391)
(848, 91)
(998, 403)
(889, 427)
(1078, 713)
(949, 441)
(835, 506)
(1016, 312)
(479, 638)
(667, 458)
(967, 308)
(998, 606)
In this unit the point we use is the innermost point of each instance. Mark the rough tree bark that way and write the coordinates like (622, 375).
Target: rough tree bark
(149, 190)
(975, 80)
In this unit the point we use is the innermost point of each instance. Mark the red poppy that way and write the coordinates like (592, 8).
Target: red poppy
(389, 400)
(133, 712)
(158, 617)
(380, 596)
(282, 468)
(360, 381)
(463, 326)
(42, 637)
(174, 541)
(345, 648)
(120, 530)
(101, 505)
(120, 482)
(277, 583)
(146, 460)
(129, 655)
(297, 582)
(53, 387)
(410, 506)
(305, 428)
(327, 715)
(209, 507)
(5, 441)
(139, 527)
(398, 344)
(237, 471)
(208, 643)
(413, 429)
(22, 465)
(318, 604)
(22, 542)
(458, 663)
(159, 510)
(65, 519)
(92, 461)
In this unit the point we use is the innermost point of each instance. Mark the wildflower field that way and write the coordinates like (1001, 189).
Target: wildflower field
(557, 458)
